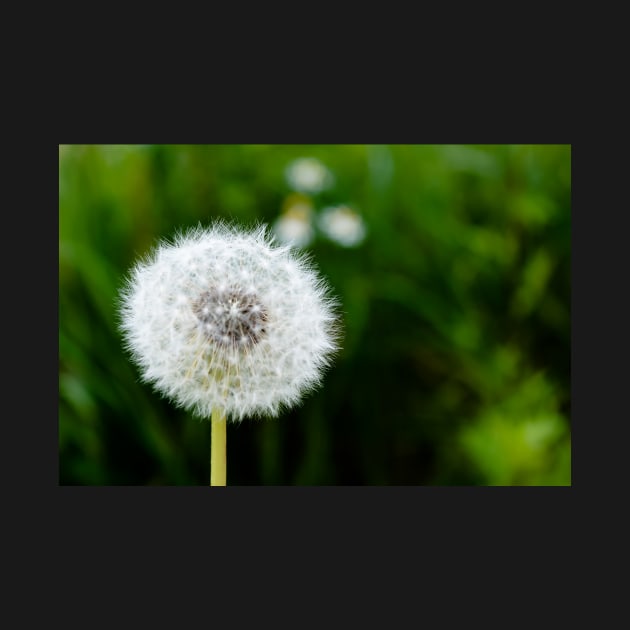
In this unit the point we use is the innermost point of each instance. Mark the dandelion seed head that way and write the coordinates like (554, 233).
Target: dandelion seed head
(223, 318)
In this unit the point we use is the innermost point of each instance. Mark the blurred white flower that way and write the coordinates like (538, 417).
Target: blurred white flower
(342, 225)
(294, 225)
(308, 175)
(223, 319)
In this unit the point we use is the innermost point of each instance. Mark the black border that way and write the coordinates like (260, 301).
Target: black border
(405, 531)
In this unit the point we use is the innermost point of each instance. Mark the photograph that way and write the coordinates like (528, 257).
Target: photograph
(314, 315)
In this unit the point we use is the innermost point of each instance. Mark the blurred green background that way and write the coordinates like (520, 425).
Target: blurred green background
(455, 367)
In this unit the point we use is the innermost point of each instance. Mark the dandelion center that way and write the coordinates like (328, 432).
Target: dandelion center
(231, 317)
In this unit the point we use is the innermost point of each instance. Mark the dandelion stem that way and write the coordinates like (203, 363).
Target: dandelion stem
(217, 449)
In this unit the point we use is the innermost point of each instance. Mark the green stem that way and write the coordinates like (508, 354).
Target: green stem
(217, 449)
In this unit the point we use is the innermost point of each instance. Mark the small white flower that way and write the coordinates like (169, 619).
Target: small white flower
(293, 226)
(222, 318)
(343, 225)
(293, 230)
(308, 175)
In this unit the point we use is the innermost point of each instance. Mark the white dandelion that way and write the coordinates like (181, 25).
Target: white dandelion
(226, 324)
(308, 175)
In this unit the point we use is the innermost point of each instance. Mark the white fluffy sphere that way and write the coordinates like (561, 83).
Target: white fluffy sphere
(221, 318)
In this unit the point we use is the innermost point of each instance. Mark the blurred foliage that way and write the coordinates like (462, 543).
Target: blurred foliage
(455, 368)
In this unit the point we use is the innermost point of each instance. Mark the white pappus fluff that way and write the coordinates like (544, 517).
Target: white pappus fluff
(222, 318)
